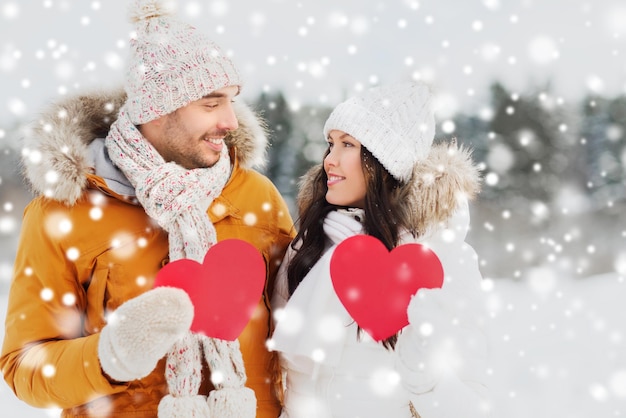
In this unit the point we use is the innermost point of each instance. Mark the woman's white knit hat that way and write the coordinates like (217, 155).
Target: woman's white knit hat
(396, 123)
(171, 63)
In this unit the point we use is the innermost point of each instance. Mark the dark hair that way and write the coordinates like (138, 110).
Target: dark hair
(384, 217)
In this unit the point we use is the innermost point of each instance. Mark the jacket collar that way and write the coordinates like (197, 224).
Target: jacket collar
(109, 172)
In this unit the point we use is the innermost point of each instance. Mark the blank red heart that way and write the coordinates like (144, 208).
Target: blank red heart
(225, 289)
(375, 285)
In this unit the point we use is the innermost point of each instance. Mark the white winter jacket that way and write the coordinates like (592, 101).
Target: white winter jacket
(438, 368)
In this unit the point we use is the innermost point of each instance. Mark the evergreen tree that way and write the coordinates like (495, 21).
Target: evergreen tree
(296, 143)
(604, 130)
(533, 133)
(281, 153)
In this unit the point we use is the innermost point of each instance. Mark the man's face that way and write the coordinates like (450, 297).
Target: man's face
(193, 136)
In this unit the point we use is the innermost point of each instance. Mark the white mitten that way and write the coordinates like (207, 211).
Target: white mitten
(419, 343)
(444, 342)
(142, 330)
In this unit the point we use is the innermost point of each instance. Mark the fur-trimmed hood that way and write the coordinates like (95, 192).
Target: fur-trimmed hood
(432, 194)
(56, 159)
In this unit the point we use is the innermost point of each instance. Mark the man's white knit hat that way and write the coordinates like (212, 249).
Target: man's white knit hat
(396, 123)
(171, 63)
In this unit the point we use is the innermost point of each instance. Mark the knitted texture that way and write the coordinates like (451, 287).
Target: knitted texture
(232, 399)
(141, 331)
(178, 199)
(184, 378)
(175, 197)
(396, 123)
(171, 63)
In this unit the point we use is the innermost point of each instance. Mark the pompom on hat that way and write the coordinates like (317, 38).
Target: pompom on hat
(396, 123)
(171, 63)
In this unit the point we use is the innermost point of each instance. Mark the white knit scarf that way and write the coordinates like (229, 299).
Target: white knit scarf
(178, 200)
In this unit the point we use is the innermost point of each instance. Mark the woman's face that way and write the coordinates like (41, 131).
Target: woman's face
(343, 166)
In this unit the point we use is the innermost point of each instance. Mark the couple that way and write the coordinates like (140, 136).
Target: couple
(129, 181)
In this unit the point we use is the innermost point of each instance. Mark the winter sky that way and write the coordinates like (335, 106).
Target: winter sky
(318, 51)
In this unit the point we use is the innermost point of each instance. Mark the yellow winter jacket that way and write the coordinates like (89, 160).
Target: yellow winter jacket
(86, 249)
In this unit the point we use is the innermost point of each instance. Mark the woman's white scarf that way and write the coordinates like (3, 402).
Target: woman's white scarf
(178, 200)
(314, 302)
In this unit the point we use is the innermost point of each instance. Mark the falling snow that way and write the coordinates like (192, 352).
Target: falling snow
(555, 265)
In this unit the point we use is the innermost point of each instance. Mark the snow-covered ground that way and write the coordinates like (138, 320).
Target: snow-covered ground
(558, 349)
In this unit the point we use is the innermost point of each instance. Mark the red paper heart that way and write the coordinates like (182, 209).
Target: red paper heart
(375, 285)
(225, 289)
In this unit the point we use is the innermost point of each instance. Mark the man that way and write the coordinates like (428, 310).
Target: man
(127, 182)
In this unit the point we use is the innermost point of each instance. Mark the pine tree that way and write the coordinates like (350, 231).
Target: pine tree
(535, 131)
(281, 153)
(604, 130)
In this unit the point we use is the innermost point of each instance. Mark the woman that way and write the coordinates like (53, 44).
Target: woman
(381, 176)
